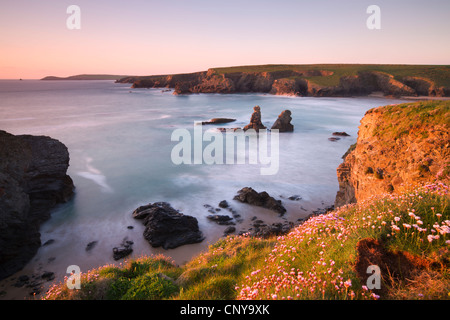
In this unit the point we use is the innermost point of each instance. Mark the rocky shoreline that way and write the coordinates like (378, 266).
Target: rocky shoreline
(291, 83)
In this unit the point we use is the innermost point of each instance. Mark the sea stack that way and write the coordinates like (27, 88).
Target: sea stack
(255, 120)
(283, 123)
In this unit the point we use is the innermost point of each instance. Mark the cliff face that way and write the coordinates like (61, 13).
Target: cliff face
(397, 145)
(33, 180)
(290, 82)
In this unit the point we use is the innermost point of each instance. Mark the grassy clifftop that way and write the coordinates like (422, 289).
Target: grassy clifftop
(440, 75)
(406, 235)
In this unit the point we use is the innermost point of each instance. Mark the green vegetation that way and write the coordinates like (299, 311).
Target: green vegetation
(316, 260)
(440, 75)
(403, 119)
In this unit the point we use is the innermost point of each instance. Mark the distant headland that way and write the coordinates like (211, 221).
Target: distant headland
(316, 80)
(87, 77)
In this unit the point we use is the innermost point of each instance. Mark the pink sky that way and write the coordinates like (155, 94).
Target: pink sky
(148, 37)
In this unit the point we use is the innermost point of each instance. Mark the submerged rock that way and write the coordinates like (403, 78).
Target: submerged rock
(262, 199)
(166, 227)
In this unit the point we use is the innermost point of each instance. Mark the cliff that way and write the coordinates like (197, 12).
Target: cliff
(397, 145)
(33, 180)
(307, 80)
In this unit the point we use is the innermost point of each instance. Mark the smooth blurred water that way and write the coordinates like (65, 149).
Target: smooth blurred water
(119, 141)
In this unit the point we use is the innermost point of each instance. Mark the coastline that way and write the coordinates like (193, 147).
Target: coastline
(23, 290)
(182, 254)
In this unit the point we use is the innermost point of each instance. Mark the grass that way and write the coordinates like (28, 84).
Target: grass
(404, 119)
(316, 260)
(439, 74)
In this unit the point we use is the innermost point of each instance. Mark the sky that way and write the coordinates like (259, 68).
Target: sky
(137, 37)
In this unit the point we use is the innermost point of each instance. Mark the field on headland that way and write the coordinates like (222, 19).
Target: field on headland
(438, 74)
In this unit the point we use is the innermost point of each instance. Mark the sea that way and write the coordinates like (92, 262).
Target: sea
(121, 146)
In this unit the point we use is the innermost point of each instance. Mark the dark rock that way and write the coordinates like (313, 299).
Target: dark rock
(283, 123)
(50, 241)
(150, 209)
(21, 281)
(33, 179)
(334, 139)
(130, 227)
(255, 120)
(218, 120)
(323, 210)
(229, 230)
(91, 245)
(221, 219)
(343, 134)
(48, 275)
(295, 198)
(166, 227)
(267, 231)
(223, 204)
(24, 278)
(123, 250)
(262, 199)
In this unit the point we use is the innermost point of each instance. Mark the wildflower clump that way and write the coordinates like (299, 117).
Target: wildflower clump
(316, 260)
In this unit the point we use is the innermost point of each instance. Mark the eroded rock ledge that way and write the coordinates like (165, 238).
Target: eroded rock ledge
(33, 179)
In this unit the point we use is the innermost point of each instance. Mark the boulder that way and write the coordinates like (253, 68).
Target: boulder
(123, 250)
(283, 123)
(221, 219)
(262, 230)
(261, 199)
(223, 204)
(166, 227)
(255, 120)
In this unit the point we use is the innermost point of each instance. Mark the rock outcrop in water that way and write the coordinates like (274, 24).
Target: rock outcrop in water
(255, 120)
(33, 179)
(283, 123)
(166, 227)
(397, 145)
